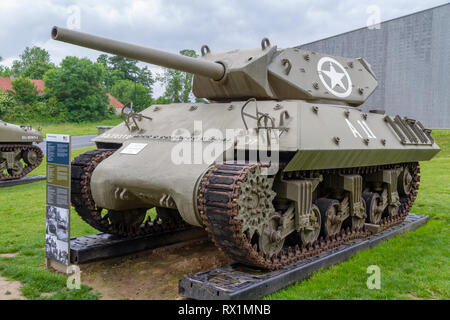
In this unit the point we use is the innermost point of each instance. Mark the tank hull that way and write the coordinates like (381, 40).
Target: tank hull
(11, 133)
(18, 156)
(318, 136)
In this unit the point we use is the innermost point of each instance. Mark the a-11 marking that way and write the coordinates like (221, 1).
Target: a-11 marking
(364, 126)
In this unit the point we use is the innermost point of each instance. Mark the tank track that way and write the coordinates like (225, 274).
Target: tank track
(28, 168)
(81, 197)
(219, 190)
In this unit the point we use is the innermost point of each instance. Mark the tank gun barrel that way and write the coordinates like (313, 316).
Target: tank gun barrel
(200, 67)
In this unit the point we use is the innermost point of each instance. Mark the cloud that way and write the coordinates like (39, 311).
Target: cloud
(177, 24)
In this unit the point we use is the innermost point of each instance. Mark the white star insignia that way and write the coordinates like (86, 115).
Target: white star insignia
(335, 77)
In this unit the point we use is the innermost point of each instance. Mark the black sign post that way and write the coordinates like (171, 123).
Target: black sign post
(57, 237)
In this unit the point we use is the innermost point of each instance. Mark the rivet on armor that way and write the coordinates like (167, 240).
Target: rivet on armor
(383, 142)
(315, 109)
(347, 113)
(278, 107)
(361, 90)
(366, 141)
(192, 108)
(306, 56)
(337, 140)
(315, 85)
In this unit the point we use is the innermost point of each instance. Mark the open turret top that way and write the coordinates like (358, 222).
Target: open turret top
(263, 73)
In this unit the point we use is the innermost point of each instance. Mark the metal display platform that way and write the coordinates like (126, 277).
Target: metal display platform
(102, 245)
(237, 282)
(24, 180)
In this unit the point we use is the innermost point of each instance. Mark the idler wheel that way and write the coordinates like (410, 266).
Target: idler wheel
(374, 207)
(127, 220)
(330, 216)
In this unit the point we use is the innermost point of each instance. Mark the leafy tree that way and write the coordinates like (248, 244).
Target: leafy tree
(145, 77)
(163, 100)
(4, 71)
(103, 59)
(111, 76)
(6, 103)
(128, 67)
(25, 91)
(178, 84)
(120, 68)
(76, 84)
(124, 91)
(34, 63)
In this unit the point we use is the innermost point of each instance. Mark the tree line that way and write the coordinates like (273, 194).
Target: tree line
(75, 90)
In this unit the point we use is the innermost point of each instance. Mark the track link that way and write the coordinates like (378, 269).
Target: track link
(82, 168)
(219, 190)
(28, 168)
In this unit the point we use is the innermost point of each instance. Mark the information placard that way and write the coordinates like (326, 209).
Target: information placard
(57, 238)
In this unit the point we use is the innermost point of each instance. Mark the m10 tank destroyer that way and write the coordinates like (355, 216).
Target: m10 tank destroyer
(280, 164)
(18, 155)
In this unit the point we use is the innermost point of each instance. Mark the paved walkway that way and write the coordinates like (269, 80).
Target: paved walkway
(77, 142)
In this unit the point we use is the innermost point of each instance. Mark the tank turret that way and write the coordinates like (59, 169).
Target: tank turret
(263, 73)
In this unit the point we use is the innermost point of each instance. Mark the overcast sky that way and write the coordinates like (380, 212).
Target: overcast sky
(175, 24)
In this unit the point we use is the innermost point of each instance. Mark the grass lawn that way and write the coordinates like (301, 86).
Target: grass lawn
(22, 230)
(76, 129)
(413, 265)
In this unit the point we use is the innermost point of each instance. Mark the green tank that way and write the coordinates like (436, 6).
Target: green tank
(280, 164)
(18, 155)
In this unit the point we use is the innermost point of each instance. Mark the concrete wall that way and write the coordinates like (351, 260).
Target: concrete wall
(411, 59)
